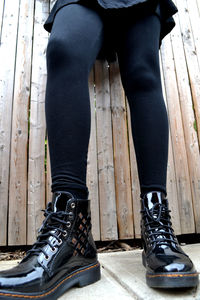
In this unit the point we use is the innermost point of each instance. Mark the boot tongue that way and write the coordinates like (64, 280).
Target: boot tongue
(60, 200)
(152, 201)
(152, 198)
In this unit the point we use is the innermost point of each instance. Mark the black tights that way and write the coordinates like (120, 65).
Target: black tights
(74, 43)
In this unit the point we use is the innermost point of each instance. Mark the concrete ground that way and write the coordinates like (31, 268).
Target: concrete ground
(123, 277)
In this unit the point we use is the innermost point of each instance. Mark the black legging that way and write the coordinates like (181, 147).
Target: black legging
(74, 43)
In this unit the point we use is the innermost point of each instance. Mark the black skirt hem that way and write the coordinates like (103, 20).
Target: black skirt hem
(165, 9)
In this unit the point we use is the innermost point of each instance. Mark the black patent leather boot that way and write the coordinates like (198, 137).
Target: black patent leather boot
(63, 256)
(167, 265)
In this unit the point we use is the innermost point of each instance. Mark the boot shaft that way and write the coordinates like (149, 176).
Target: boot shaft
(156, 226)
(78, 225)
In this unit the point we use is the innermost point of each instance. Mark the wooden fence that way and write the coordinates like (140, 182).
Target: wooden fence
(112, 177)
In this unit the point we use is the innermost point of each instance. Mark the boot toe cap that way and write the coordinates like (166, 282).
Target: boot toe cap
(176, 267)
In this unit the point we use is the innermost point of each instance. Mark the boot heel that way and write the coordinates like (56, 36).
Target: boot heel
(89, 276)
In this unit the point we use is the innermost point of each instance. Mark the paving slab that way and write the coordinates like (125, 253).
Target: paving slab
(103, 289)
(127, 269)
(106, 288)
(123, 278)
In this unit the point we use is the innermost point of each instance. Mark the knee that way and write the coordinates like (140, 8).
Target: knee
(62, 53)
(142, 78)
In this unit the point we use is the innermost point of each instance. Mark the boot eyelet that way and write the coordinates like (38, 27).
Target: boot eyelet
(73, 205)
(46, 257)
(65, 233)
(53, 249)
(59, 242)
(71, 216)
(68, 224)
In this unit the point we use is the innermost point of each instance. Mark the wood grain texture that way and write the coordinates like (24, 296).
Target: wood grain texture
(105, 154)
(178, 140)
(36, 168)
(121, 156)
(193, 66)
(19, 143)
(172, 195)
(7, 72)
(187, 111)
(92, 170)
(135, 186)
(112, 175)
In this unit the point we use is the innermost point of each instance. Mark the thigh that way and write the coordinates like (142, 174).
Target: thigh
(138, 49)
(78, 31)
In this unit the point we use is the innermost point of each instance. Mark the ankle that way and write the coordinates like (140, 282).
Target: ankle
(150, 190)
(79, 194)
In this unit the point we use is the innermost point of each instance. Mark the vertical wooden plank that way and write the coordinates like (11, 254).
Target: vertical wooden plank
(92, 172)
(1, 16)
(195, 25)
(36, 169)
(191, 58)
(108, 217)
(178, 141)
(186, 105)
(18, 168)
(134, 177)
(172, 194)
(48, 176)
(48, 166)
(121, 156)
(7, 69)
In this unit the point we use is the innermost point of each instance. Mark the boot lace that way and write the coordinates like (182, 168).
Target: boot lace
(52, 222)
(158, 225)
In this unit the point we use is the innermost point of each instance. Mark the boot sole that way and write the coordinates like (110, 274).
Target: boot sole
(81, 277)
(171, 280)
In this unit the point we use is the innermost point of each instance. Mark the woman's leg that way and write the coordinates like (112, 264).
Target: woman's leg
(167, 265)
(74, 43)
(64, 254)
(138, 54)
